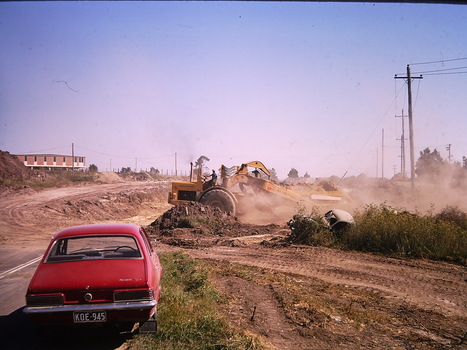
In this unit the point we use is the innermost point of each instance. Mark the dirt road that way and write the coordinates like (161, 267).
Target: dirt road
(30, 218)
(419, 304)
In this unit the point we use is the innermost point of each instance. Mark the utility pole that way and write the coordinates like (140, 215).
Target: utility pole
(382, 154)
(175, 163)
(412, 155)
(377, 163)
(72, 156)
(402, 139)
(448, 148)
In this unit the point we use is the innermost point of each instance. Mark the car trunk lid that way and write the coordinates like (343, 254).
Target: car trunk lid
(90, 280)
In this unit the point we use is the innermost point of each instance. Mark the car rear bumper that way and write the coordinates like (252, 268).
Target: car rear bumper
(111, 307)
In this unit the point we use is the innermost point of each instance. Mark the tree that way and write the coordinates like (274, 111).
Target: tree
(199, 164)
(274, 175)
(93, 168)
(154, 170)
(429, 164)
(125, 171)
(293, 173)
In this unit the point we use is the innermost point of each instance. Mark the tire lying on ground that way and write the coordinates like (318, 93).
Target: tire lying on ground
(219, 198)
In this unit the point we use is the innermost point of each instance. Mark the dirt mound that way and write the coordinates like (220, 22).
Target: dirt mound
(198, 225)
(194, 215)
(109, 178)
(12, 168)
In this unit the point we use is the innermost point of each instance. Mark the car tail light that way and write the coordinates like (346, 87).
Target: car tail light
(44, 300)
(133, 295)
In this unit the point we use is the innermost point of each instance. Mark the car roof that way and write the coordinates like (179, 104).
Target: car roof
(96, 229)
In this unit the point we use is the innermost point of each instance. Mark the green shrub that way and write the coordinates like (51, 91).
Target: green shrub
(194, 222)
(310, 229)
(385, 229)
(453, 215)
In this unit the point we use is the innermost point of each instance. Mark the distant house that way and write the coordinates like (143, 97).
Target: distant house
(52, 161)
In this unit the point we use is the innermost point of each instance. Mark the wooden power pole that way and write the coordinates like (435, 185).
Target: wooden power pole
(382, 153)
(412, 155)
(402, 139)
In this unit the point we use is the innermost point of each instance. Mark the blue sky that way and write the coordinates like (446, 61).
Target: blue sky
(302, 85)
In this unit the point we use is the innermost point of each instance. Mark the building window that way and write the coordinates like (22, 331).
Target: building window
(55, 159)
(35, 158)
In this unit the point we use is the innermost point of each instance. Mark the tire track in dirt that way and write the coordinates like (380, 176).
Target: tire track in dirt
(259, 312)
(435, 286)
(29, 217)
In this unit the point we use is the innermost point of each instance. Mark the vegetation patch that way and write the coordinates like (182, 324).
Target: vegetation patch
(388, 230)
(188, 316)
(383, 229)
(310, 229)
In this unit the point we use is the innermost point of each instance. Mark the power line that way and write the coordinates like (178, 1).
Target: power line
(442, 61)
(440, 70)
(416, 96)
(357, 155)
(451, 73)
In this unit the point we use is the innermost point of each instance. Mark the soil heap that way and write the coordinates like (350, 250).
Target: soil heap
(12, 168)
(201, 218)
(195, 224)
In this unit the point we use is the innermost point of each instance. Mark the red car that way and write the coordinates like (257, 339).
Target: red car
(97, 274)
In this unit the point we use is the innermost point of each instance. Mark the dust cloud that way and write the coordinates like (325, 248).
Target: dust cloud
(356, 193)
(426, 195)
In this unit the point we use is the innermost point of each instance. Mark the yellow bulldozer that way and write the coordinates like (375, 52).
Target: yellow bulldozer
(240, 186)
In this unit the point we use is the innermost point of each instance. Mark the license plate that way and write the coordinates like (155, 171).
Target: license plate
(89, 316)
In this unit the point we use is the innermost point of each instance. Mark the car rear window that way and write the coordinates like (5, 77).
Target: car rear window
(94, 247)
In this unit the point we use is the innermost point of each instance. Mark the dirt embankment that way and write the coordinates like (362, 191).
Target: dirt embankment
(12, 168)
(30, 217)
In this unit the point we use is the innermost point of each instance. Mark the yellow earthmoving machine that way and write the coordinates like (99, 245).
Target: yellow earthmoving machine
(240, 186)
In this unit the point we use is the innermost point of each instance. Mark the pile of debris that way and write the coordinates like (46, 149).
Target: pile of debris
(197, 225)
(196, 216)
(12, 168)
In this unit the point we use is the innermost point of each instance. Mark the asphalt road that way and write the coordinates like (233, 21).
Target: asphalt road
(16, 269)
